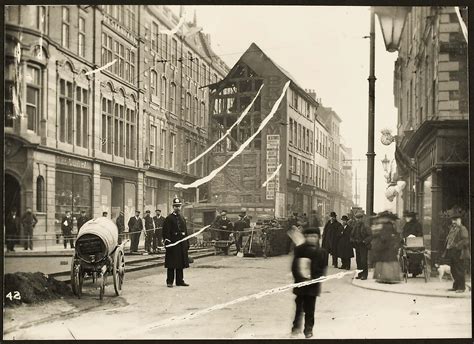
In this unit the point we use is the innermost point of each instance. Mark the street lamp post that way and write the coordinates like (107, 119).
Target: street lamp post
(370, 146)
(392, 21)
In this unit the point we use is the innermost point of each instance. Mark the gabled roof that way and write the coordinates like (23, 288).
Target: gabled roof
(254, 48)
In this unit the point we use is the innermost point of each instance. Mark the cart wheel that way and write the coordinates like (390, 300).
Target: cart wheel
(77, 277)
(118, 271)
(405, 269)
(425, 270)
(103, 281)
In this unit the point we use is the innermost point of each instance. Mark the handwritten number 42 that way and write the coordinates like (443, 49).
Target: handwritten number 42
(16, 295)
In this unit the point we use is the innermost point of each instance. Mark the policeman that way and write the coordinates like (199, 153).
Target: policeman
(176, 257)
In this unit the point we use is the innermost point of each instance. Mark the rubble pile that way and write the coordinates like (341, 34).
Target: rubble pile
(27, 287)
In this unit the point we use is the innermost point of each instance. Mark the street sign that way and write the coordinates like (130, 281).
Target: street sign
(273, 160)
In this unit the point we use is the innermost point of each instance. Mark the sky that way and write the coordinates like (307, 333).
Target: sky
(323, 48)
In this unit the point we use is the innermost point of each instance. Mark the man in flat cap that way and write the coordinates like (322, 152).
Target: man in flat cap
(120, 222)
(361, 237)
(135, 226)
(176, 256)
(239, 227)
(158, 223)
(309, 262)
(149, 231)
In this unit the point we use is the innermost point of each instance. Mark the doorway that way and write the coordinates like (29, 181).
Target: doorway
(12, 194)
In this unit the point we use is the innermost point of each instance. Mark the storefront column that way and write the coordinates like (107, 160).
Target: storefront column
(140, 188)
(96, 203)
(436, 190)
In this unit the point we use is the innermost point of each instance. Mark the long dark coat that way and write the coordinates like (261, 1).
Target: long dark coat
(319, 263)
(344, 246)
(412, 228)
(12, 228)
(330, 238)
(385, 243)
(174, 229)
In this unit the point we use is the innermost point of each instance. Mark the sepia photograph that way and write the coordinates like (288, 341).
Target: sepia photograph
(222, 172)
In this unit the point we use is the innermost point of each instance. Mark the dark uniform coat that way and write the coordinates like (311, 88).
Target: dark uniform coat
(319, 263)
(330, 237)
(344, 246)
(412, 227)
(174, 229)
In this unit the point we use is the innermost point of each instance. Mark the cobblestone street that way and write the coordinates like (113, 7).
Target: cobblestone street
(342, 311)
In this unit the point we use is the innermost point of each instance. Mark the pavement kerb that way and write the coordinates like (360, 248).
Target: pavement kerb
(363, 285)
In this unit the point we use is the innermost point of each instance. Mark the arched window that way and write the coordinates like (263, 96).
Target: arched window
(40, 194)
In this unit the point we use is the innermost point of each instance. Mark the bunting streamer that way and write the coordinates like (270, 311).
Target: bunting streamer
(272, 176)
(175, 29)
(267, 119)
(191, 315)
(461, 22)
(101, 68)
(237, 122)
(188, 237)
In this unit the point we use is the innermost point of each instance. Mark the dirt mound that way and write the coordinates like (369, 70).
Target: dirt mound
(27, 287)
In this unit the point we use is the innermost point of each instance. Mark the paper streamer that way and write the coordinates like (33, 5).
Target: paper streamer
(188, 237)
(264, 293)
(101, 68)
(267, 119)
(461, 22)
(175, 29)
(237, 122)
(272, 176)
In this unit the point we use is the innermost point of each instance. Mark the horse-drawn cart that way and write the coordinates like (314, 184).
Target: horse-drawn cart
(97, 255)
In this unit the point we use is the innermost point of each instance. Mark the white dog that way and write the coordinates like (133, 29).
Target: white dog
(442, 270)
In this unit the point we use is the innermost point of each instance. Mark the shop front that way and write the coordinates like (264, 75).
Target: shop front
(434, 163)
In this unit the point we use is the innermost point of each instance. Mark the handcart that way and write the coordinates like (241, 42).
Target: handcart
(98, 255)
(413, 258)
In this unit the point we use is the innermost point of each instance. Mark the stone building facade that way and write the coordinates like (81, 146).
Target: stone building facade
(431, 95)
(76, 140)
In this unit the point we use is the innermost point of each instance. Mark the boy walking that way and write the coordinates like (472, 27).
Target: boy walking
(310, 262)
